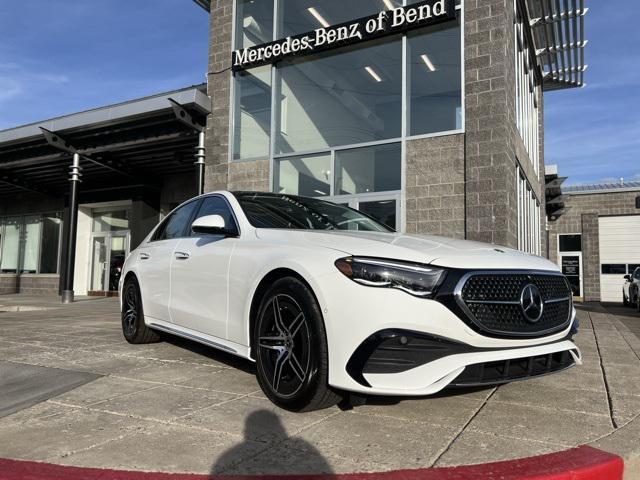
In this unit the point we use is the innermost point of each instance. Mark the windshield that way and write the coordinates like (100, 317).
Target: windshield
(269, 210)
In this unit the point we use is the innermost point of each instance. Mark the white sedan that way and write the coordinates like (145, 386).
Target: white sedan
(326, 300)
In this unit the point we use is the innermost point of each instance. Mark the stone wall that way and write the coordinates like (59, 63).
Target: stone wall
(435, 186)
(493, 144)
(219, 89)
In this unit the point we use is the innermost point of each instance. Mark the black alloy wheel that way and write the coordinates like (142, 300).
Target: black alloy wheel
(133, 327)
(291, 348)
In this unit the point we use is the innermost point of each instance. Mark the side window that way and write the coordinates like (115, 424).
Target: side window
(175, 225)
(216, 205)
(636, 274)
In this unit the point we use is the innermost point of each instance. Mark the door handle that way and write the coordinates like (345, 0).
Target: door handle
(144, 256)
(181, 255)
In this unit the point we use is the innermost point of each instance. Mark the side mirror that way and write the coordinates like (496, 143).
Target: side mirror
(211, 225)
(627, 278)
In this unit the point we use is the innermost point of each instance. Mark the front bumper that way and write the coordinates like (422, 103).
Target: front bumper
(364, 312)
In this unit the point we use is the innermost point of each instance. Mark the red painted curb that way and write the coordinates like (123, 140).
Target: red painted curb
(583, 463)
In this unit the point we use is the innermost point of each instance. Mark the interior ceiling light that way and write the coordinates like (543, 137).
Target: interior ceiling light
(428, 62)
(373, 73)
(318, 17)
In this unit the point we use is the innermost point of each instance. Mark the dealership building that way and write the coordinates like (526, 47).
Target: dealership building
(596, 239)
(427, 115)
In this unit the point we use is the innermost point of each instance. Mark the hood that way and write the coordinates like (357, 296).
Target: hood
(441, 251)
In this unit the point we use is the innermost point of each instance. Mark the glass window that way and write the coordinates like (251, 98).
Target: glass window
(634, 270)
(341, 97)
(434, 80)
(570, 243)
(614, 269)
(216, 205)
(301, 16)
(254, 22)
(369, 169)
(252, 122)
(175, 225)
(50, 242)
(111, 221)
(383, 210)
(308, 175)
(268, 210)
(31, 243)
(10, 245)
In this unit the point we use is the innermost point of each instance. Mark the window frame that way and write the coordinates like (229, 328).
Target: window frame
(273, 157)
(21, 232)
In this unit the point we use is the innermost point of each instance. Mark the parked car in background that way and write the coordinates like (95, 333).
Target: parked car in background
(631, 289)
(325, 299)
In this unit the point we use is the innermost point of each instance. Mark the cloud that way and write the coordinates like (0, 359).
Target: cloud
(18, 81)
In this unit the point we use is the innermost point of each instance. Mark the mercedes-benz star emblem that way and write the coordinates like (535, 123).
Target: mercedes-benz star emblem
(531, 303)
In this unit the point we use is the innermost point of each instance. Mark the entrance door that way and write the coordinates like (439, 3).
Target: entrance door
(109, 251)
(572, 268)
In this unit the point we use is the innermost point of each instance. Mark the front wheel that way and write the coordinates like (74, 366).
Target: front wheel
(291, 348)
(625, 302)
(133, 327)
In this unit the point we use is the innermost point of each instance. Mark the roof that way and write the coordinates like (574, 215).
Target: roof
(558, 32)
(623, 186)
(110, 114)
(139, 142)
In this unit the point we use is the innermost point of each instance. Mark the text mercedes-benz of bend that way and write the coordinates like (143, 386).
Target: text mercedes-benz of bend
(325, 300)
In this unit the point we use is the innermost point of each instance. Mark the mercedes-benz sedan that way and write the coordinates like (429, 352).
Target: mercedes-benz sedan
(325, 300)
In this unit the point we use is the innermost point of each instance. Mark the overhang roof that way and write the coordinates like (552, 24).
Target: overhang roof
(558, 32)
(136, 142)
(624, 186)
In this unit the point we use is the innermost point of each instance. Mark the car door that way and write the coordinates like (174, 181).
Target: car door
(635, 285)
(155, 261)
(200, 274)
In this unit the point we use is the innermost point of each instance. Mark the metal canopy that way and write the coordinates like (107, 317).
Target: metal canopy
(133, 143)
(558, 32)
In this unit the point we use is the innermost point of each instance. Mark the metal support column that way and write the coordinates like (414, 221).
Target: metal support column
(72, 225)
(183, 116)
(200, 154)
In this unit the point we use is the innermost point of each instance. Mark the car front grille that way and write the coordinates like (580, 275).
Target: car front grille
(492, 301)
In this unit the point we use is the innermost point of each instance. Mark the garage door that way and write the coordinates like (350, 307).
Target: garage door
(619, 253)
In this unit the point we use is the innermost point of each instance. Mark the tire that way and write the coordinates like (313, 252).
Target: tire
(625, 302)
(292, 360)
(133, 327)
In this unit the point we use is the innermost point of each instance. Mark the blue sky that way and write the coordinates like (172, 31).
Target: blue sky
(64, 56)
(59, 57)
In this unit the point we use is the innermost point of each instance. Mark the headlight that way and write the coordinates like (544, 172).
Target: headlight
(418, 280)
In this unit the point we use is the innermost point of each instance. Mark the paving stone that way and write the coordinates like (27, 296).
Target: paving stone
(553, 397)
(540, 424)
(105, 388)
(448, 411)
(259, 419)
(225, 380)
(625, 407)
(168, 448)
(477, 447)
(395, 443)
(296, 456)
(45, 432)
(164, 402)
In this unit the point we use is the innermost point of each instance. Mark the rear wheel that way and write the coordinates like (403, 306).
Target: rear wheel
(291, 348)
(133, 327)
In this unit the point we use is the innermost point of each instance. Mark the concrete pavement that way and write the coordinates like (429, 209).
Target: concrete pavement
(179, 407)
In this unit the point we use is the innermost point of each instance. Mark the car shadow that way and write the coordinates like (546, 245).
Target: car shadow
(211, 353)
(279, 454)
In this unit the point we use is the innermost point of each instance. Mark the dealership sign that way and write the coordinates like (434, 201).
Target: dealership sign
(387, 22)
